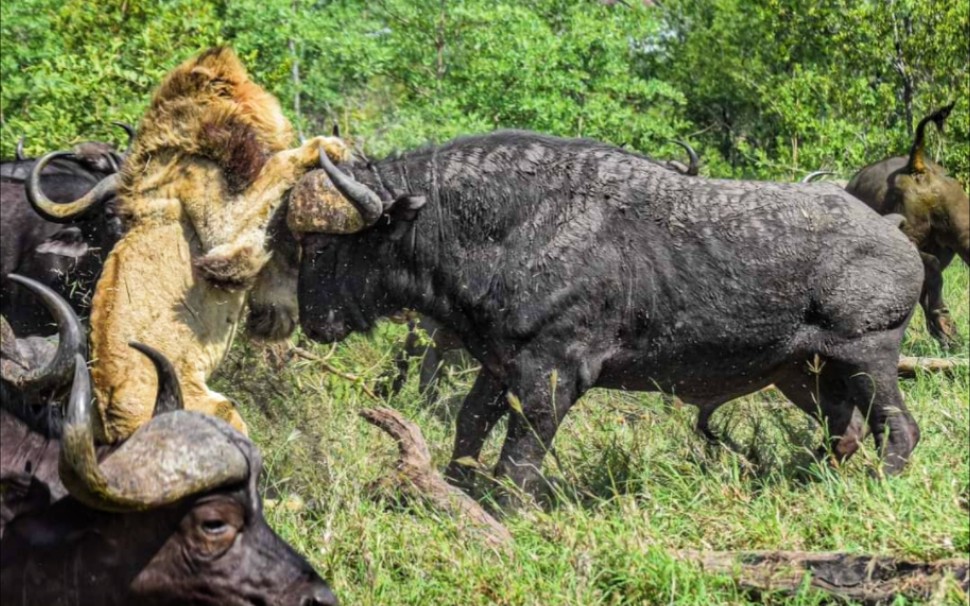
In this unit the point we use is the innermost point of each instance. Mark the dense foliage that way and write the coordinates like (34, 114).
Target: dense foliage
(767, 89)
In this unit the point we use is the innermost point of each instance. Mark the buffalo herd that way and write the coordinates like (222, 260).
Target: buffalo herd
(559, 265)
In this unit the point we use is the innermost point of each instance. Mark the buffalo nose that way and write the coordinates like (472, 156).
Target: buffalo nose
(322, 596)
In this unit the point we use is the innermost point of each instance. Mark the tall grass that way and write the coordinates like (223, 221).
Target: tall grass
(634, 484)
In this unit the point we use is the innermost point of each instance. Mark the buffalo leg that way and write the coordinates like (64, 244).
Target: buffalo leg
(846, 385)
(706, 408)
(430, 372)
(531, 432)
(412, 347)
(828, 401)
(938, 320)
(481, 410)
(702, 427)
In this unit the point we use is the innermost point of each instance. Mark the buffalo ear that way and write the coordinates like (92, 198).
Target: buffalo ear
(22, 493)
(406, 207)
(401, 214)
(67, 242)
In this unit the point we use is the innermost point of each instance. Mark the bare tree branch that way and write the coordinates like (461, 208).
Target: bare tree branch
(866, 578)
(415, 472)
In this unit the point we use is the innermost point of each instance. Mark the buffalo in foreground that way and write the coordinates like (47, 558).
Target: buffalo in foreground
(937, 212)
(172, 516)
(564, 265)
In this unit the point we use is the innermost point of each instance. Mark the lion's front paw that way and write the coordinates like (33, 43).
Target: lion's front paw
(336, 149)
(231, 268)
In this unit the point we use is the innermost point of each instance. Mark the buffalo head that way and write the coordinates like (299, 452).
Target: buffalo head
(50, 230)
(171, 516)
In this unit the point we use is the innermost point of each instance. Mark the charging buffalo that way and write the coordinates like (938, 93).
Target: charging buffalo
(564, 265)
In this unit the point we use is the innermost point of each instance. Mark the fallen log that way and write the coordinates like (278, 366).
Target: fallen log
(909, 365)
(415, 472)
(864, 578)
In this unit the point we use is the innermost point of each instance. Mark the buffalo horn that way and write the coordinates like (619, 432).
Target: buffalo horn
(364, 199)
(169, 395)
(71, 211)
(71, 341)
(815, 175)
(693, 167)
(19, 151)
(174, 455)
(128, 128)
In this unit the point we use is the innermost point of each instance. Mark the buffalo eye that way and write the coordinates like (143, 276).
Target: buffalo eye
(215, 527)
(211, 527)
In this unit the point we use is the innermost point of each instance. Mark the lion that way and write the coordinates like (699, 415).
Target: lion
(206, 174)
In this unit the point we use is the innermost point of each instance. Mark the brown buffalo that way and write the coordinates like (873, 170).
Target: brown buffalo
(937, 212)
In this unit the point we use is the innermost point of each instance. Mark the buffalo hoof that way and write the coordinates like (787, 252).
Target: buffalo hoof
(462, 474)
(944, 330)
(898, 445)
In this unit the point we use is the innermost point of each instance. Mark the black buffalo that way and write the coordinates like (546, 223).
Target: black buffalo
(172, 516)
(564, 265)
(51, 230)
(433, 350)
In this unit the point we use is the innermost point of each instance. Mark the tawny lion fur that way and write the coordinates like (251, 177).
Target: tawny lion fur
(209, 168)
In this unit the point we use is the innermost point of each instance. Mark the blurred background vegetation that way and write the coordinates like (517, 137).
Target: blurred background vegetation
(763, 89)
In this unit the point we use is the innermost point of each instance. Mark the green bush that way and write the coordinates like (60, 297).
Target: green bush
(770, 89)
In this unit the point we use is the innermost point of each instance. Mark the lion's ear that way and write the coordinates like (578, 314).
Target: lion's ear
(204, 72)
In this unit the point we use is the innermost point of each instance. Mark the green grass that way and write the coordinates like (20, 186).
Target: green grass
(635, 484)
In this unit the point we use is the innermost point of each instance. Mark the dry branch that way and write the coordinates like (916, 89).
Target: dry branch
(306, 355)
(416, 472)
(909, 365)
(865, 578)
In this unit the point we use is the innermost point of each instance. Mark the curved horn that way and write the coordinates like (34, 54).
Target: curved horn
(169, 396)
(128, 128)
(71, 211)
(364, 199)
(114, 160)
(815, 175)
(18, 153)
(693, 167)
(174, 455)
(71, 341)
